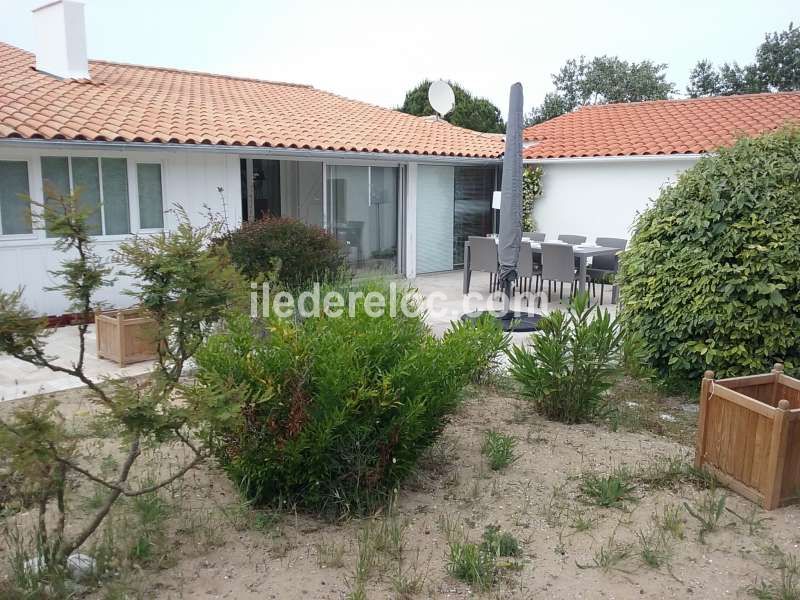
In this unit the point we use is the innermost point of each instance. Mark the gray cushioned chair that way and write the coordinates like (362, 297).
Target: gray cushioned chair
(558, 266)
(528, 268)
(604, 267)
(483, 257)
(534, 236)
(572, 239)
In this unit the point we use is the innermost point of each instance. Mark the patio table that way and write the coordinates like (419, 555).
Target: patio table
(582, 253)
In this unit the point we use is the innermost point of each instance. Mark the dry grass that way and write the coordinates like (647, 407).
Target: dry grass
(589, 508)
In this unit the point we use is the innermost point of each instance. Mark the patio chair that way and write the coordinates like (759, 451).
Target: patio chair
(603, 267)
(572, 239)
(528, 268)
(483, 258)
(534, 236)
(349, 233)
(558, 266)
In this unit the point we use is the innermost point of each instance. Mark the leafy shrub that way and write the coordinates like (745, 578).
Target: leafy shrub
(328, 413)
(531, 190)
(609, 491)
(299, 253)
(499, 543)
(477, 564)
(571, 363)
(708, 511)
(471, 563)
(711, 278)
(499, 449)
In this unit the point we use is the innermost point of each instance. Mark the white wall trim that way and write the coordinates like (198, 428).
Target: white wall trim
(615, 159)
(294, 153)
(411, 221)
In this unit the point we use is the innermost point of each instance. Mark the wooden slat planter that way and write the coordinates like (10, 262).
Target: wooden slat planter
(126, 336)
(748, 435)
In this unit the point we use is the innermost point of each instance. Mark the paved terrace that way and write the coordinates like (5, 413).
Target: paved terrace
(442, 290)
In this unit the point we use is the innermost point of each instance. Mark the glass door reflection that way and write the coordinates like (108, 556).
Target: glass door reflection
(362, 207)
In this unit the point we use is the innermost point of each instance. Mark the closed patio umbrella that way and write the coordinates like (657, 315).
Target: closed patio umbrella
(510, 236)
(511, 195)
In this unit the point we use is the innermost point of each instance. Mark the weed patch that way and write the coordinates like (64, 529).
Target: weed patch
(707, 511)
(614, 490)
(499, 450)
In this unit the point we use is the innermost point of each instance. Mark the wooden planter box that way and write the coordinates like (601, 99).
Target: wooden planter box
(748, 435)
(125, 336)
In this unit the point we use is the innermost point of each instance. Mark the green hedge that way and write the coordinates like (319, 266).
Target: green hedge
(711, 279)
(330, 414)
(298, 254)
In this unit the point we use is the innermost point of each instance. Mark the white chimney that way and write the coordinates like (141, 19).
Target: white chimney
(61, 39)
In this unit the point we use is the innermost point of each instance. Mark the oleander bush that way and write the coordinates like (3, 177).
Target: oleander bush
(330, 414)
(711, 278)
(572, 361)
(298, 254)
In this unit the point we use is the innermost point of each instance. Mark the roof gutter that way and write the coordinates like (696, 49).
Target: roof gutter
(296, 153)
(615, 159)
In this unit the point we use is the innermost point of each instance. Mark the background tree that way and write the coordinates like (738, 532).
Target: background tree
(553, 106)
(473, 113)
(740, 80)
(778, 60)
(602, 80)
(704, 80)
(776, 69)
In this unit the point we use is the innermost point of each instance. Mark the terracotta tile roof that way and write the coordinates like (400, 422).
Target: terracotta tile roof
(145, 104)
(661, 126)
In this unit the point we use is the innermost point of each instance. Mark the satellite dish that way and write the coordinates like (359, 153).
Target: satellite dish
(441, 97)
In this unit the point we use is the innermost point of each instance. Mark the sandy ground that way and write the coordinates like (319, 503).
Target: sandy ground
(213, 547)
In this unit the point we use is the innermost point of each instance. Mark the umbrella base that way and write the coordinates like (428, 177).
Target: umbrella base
(514, 321)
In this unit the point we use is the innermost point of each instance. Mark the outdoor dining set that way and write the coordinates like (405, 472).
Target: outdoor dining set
(560, 261)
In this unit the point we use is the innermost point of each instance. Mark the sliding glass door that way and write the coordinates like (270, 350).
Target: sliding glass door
(453, 203)
(362, 214)
(434, 218)
(472, 206)
(282, 188)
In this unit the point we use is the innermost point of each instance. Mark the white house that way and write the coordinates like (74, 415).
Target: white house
(603, 164)
(401, 191)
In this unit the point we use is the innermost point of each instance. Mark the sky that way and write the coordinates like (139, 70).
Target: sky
(376, 50)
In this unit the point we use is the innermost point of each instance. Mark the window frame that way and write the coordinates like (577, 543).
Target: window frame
(35, 175)
(33, 235)
(98, 156)
(135, 211)
(131, 197)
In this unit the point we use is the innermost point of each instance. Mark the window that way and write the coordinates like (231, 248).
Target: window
(363, 209)
(115, 196)
(101, 185)
(86, 184)
(151, 202)
(15, 207)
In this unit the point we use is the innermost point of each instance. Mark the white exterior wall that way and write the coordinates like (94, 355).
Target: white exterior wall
(189, 179)
(600, 197)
